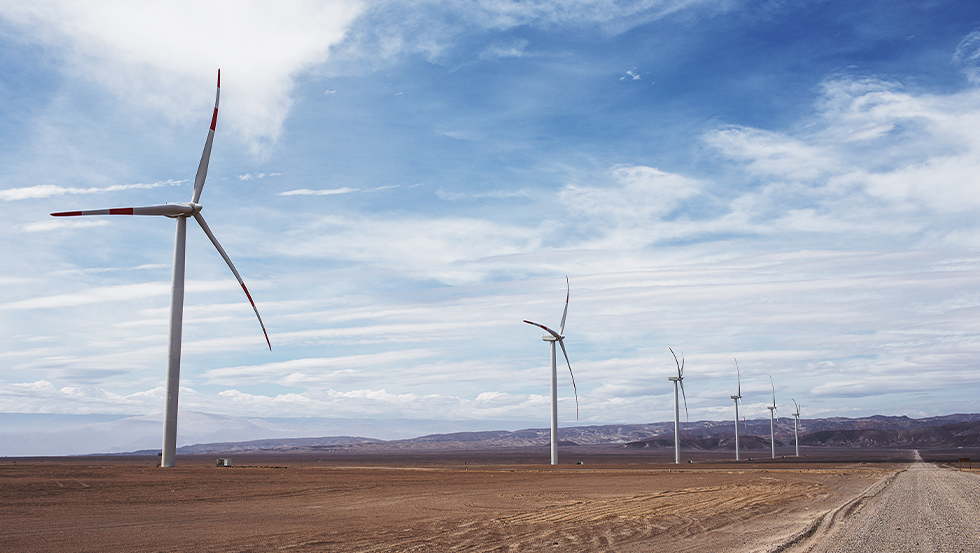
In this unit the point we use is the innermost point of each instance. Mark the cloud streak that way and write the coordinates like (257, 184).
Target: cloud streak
(49, 190)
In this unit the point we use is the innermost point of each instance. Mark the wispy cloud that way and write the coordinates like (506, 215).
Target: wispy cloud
(450, 195)
(48, 190)
(631, 75)
(257, 176)
(320, 192)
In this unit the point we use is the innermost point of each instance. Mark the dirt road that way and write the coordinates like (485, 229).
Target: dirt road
(924, 508)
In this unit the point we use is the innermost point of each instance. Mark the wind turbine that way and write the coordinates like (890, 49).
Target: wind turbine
(554, 337)
(796, 426)
(180, 212)
(679, 379)
(737, 397)
(772, 418)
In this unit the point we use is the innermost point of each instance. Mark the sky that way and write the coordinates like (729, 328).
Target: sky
(789, 183)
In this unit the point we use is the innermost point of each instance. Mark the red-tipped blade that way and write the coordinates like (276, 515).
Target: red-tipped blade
(167, 210)
(202, 168)
(207, 230)
(546, 329)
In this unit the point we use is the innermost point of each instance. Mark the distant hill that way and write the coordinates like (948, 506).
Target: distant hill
(962, 430)
(280, 444)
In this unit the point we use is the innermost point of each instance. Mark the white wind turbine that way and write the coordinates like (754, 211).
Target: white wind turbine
(772, 418)
(678, 380)
(796, 426)
(554, 337)
(180, 212)
(737, 397)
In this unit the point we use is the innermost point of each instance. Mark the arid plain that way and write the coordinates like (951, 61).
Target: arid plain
(598, 499)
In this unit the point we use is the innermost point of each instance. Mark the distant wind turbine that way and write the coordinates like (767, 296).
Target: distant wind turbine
(180, 212)
(678, 380)
(554, 337)
(772, 418)
(737, 397)
(796, 426)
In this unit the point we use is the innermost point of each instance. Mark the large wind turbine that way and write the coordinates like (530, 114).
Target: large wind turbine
(772, 418)
(553, 337)
(180, 212)
(679, 379)
(796, 426)
(737, 397)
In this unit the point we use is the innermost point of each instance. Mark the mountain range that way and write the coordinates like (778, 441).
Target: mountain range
(961, 430)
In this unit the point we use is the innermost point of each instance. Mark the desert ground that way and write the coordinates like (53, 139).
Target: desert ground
(598, 499)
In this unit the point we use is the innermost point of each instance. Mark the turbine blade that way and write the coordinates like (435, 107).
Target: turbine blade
(548, 330)
(167, 210)
(686, 414)
(561, 327)
(202, 169)
(561, 342)
(773, 392)
(738, 373)
(204, 227)
(676, 362)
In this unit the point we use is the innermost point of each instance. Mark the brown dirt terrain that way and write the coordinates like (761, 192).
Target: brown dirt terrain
(494, 501)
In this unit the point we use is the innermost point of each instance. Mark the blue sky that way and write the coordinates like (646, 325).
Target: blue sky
(792, 183)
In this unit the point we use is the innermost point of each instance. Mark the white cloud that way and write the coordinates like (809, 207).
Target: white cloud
(54, 224)
(638, 194)
(310, 371)
(968, 55)
(102, 294)
(873, 153)
(450, 250)
(257, 176)
(431, 27)
(165, 55)
(49, 190)
(448, 195)
(321, 192)
(516, 49)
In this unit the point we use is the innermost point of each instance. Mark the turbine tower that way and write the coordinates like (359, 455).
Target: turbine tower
(678, 380)
(772, 418)
(737, 397)
(796, 426)
(180, 212)
(554, 337)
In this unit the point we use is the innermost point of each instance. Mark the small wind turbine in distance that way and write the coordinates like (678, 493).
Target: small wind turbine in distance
(772, 418)
(180, 212)
(796, 426)
(678, 380)
(737, 397)
(554, 337)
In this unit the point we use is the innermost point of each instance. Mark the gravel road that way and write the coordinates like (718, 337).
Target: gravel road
(924, 508)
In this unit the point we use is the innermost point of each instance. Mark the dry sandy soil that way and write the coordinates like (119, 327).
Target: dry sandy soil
(440, 501)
